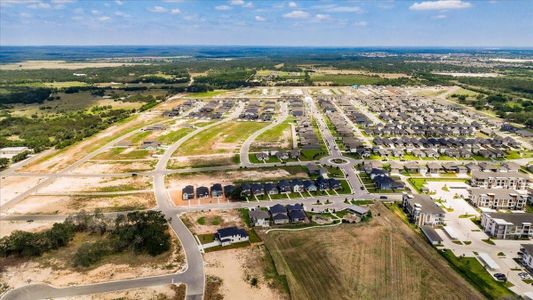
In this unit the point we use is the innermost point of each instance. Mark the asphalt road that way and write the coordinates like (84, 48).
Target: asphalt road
(245, 148)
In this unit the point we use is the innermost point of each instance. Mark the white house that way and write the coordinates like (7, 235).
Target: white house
(231, 235)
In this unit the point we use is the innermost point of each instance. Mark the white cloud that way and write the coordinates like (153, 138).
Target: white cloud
(104, 18)
(119, 2)
(77, 18)
(222, 7)
(237, 2)
(260, 19)
(361, 23)
(39, 4)
(297, 14)
(248, 5)
(25, 15)
(121, 14)
(321, 17)
(437, 17)
(62, 1)
(95, 12)
(292, 4)
(175, 11)
(158, 9)
(172, 1)
(344, 9)
(440, 5)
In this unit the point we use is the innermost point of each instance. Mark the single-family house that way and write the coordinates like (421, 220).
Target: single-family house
(259, 218)
(187, 192)
(231, 235)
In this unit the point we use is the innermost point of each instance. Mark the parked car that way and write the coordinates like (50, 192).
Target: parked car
(382, 197)
(523, 275)
(500, 277)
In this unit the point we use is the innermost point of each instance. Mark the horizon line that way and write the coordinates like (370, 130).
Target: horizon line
(278, 46)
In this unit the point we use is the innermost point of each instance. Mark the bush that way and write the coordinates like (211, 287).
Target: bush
(90, 253)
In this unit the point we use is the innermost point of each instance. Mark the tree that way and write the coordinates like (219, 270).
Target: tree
(4, 162)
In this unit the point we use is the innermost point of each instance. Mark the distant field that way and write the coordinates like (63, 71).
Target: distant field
(384, 259)
(346, 79)
(58, 64)
(225, 138)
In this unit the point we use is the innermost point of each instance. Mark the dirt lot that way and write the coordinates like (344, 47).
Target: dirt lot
(108, 167)
(55, 267)
(212, 220)
(73, 204)
(97, 184)
(236, 268)
(381, 260)
(7, 227)
(11, 186)
(160, 292)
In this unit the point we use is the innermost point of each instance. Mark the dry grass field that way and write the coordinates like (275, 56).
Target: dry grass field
(384, 259)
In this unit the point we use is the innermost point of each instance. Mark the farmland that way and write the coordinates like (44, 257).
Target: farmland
(382, 260)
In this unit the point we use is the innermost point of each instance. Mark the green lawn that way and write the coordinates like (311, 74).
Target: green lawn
(475, 273)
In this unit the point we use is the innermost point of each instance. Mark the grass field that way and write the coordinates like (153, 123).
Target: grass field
(174, 136)
(382, 259)
(225, 138)
(475, 273)
(122, 154)
(207, 94)
(278, 137)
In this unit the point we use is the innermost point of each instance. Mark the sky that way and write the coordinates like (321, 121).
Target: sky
(444, 23)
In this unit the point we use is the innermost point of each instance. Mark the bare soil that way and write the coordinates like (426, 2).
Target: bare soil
(227, 218)
(236, 268)
(73, 204)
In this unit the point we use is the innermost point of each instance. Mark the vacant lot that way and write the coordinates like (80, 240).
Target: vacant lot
(380, 260)
(208, 222)
(243, 274)
(56, 267)
(279, 137)
(198, 161)
(73, 204)
(225, 138)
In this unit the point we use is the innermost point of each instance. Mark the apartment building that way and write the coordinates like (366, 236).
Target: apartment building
(422, 210)
(508, 226)
(498, 198)
(504, 180)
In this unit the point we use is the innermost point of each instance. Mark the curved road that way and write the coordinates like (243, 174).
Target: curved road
(245, 149)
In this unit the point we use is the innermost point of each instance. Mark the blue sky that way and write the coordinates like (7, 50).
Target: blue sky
(500, 23)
